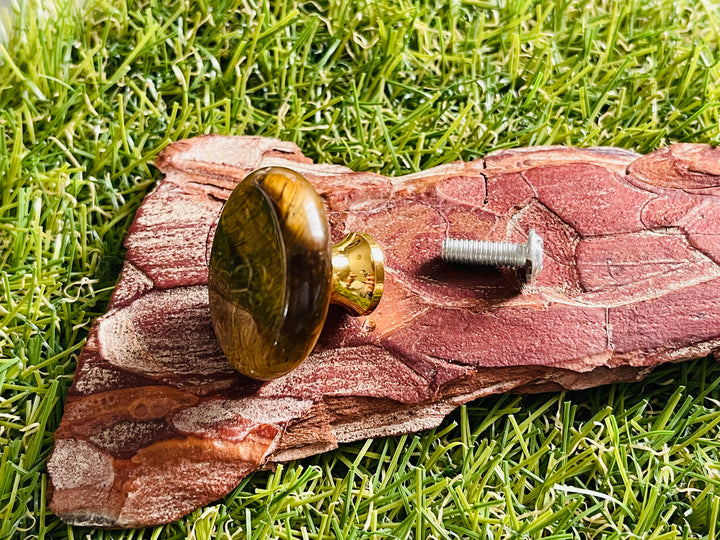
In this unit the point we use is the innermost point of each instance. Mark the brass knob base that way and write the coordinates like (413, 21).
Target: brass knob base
(358, 269)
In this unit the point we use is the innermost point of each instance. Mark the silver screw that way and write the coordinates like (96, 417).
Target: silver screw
(529, 255)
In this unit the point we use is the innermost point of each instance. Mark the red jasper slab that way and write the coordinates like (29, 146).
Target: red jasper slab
(157, 423)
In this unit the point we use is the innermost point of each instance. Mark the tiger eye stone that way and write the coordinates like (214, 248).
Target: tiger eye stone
(270, 278)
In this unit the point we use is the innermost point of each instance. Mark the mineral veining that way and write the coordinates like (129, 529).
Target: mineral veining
(157, 423)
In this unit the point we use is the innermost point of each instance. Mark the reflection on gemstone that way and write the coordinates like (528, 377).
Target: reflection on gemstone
(270, 273)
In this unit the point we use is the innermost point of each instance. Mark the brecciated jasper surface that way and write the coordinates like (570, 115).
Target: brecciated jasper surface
(157, 423)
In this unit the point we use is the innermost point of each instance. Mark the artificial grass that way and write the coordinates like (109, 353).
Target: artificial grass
(89, 96)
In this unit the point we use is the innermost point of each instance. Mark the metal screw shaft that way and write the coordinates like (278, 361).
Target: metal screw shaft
(480, 252)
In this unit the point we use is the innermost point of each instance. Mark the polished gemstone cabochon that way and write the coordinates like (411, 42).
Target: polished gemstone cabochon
(270, 278)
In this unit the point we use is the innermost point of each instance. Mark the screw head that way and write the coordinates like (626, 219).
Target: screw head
(534, 254)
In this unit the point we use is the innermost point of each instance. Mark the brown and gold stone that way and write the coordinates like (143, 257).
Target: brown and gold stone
(273, 273)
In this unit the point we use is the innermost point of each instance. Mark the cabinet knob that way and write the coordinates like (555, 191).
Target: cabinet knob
(273, 273)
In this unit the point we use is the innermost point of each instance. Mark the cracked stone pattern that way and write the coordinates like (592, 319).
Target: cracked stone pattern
(157, 423)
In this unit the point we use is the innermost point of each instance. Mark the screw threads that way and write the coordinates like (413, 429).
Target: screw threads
(529, 255)
(482, 252)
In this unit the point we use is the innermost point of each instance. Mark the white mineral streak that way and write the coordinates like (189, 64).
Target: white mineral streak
(169, 262)
(133, 282)
(185, 212)
(521, 159)
(487, 390)
(411, 183)
(95, 378)
(255, 409)
(75, 464)
(163, 333)
(122, 435)
(228, 151)
(696, 350)
(393, 423)
(306, 168)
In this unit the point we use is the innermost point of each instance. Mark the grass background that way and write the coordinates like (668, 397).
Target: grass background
(89, 96)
